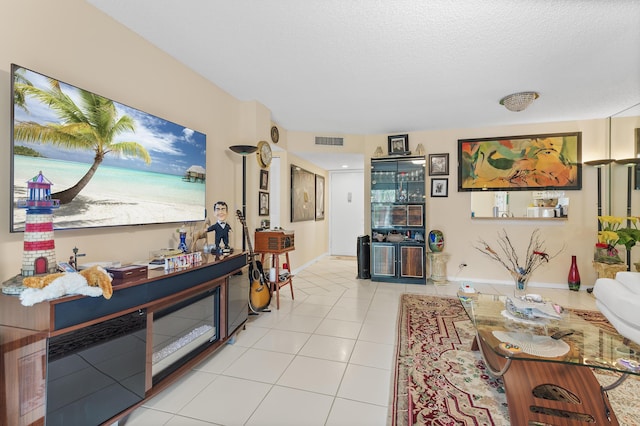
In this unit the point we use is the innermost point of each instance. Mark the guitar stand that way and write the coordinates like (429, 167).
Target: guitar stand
(252, 312)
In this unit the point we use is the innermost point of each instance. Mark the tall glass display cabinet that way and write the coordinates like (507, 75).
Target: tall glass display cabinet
(398, 219)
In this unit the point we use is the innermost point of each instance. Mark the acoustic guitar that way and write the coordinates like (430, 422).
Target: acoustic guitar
(259, 292)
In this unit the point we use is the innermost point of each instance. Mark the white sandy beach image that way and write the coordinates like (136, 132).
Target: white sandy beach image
(110, 164)
(113, 197)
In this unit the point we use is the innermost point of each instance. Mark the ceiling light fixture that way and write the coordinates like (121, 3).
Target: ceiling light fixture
(519, 101)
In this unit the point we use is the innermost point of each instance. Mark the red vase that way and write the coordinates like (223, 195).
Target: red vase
(574, 275)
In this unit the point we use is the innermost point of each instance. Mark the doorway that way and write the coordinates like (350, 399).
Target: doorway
(346, 215)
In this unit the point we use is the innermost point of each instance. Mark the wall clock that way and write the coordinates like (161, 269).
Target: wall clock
(275, 134)
(264, 154)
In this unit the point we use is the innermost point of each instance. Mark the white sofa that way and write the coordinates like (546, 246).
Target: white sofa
(619, 300)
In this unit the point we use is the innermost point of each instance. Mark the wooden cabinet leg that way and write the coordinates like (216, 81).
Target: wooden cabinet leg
(290, 277)
(276, 262)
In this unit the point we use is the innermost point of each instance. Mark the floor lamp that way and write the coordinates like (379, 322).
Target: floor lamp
(244, 150)
(599, 164)
(631, 164)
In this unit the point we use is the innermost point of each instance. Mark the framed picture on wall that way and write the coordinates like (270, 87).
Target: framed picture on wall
(398, 145)
(515, 163)
(440, 187)
(264, 180)
(263, 203)
(319, 197)
(303, 200)
(438, 164)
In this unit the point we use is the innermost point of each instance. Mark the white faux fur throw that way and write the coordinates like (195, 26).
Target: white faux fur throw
(69, 283)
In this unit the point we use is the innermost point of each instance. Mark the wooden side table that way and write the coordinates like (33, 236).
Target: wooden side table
(274, 244)
(277, 284)
(608, 270)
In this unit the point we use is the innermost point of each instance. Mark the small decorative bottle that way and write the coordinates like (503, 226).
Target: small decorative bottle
(183, 240)
(574, 275)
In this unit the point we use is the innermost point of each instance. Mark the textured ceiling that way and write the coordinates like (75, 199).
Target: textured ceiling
(388, 66)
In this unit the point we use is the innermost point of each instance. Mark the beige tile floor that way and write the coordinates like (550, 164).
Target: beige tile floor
(324, 358)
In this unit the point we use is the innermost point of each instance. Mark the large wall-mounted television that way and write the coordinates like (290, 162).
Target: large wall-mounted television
(109, 164)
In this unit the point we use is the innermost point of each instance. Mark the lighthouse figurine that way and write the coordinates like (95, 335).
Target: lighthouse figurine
(39, 254)
(39, 250)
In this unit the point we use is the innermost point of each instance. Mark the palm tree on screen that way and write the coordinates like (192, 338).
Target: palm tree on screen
(19, 96)
(90, 126)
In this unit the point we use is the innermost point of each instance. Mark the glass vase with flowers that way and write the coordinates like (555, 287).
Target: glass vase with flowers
(506, 254)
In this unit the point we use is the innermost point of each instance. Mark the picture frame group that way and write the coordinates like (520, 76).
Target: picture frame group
(263, 194)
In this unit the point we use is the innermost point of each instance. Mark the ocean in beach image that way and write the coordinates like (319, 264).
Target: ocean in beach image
(114, 196)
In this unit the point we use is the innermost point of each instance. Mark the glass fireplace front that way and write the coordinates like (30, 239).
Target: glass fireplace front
(96, 372)
(182, 331)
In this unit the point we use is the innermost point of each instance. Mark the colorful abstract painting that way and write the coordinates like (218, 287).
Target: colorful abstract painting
(520, 162)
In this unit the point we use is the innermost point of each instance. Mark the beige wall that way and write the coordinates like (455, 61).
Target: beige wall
(86, 48)
(311, 237)
(72, 41)
(452, 215)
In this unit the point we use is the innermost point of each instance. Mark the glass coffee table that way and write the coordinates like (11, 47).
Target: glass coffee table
(545, 363)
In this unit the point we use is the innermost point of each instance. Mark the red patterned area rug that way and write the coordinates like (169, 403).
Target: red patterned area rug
(440, 381)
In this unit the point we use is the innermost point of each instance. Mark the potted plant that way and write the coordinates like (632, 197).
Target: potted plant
(612, 234)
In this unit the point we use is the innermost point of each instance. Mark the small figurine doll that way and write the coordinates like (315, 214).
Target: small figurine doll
(221, 227)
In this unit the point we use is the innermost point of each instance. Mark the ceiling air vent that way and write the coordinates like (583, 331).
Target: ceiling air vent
(324, 140)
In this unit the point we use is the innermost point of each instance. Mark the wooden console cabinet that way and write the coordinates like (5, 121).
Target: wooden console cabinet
(27, 334)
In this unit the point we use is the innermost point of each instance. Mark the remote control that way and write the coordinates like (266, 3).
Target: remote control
(560, 334)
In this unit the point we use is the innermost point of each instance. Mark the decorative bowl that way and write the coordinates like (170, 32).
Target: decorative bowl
(395, 238)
